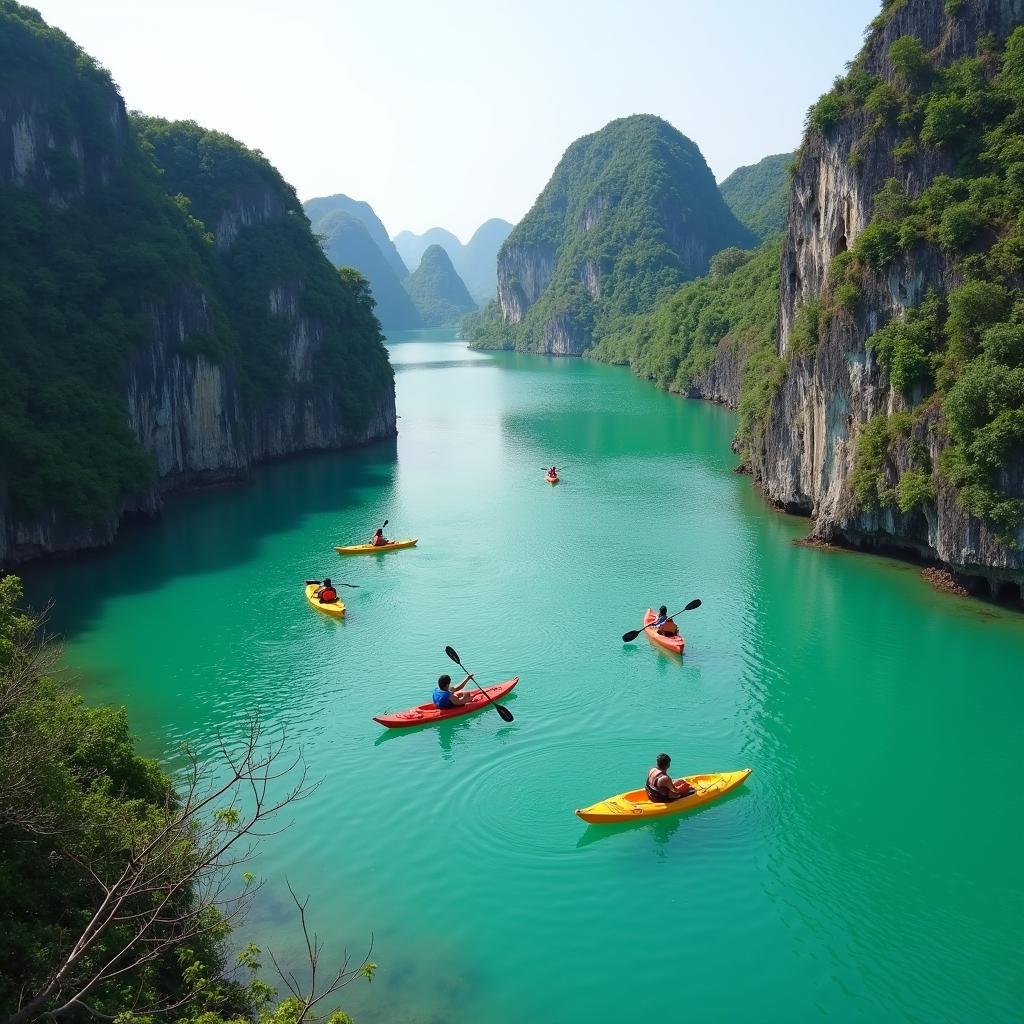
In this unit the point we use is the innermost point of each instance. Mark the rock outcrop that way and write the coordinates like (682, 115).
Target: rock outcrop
(808, 455)
(630, 212)
(143, 348)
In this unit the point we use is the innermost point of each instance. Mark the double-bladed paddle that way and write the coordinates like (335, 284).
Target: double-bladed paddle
(310, 583)
(506, 715)
(634, 633)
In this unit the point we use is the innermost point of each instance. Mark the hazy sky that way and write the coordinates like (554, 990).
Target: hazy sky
(447, 112)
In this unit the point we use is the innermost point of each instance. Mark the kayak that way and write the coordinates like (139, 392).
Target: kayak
(551, 479)
(634, 805)
(427, 714)
(335, 608)
(675, 644)
(372, 549)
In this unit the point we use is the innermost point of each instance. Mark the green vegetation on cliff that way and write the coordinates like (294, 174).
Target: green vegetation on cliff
(759, 194)
(347, 243)
(960, 352)
(94, 249)
(630, 212)
(736, 306)
(220, 178)
(438, 291)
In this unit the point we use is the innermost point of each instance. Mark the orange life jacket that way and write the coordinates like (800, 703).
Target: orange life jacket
(328, 595)
(668, 628)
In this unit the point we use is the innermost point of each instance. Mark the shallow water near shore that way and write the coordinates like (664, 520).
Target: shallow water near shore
(867, 871)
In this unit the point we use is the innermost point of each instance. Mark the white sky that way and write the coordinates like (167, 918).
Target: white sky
(449, 112)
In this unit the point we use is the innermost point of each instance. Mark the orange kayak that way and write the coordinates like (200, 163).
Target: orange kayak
(551, 479)
(675, 644)
(426, 714)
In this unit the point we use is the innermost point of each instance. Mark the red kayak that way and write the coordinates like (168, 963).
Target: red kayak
(427, 714)
(675, 644)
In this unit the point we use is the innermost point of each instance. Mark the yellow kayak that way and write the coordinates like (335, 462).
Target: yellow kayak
(335, 608)
(372, 549)
(634, 805)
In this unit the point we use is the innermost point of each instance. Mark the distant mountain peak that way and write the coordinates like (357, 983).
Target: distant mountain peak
(437, 290)
(475, 262)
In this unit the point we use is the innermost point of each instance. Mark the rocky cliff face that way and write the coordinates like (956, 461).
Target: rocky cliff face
(258, 350)
(629, 213)
(808, 455)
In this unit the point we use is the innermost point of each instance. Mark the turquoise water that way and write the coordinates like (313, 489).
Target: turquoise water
(867, 871)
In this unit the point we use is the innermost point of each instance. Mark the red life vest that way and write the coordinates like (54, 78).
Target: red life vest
(328, 595)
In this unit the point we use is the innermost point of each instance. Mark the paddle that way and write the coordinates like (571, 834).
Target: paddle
(310, 583)
(634, 633)
(506, 715)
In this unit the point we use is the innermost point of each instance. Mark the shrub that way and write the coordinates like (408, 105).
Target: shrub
(883, 101)
(904, 346)
(945, 121)
(973, 307)
(868, 480)
(914, 488)
(878, 244)
(905, 150)
(910, 61)
(891, 201)
(960, 225)
(728, 260)
(803, 337)
(1004, 343)
(825, 114)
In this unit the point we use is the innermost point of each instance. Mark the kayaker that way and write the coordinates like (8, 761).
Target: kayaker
(448, 696)
(379, 540)
(553, 473)
(660, 788)
(326, 592)
(664, 625)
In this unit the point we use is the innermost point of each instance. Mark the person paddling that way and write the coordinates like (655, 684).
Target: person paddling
(379, 540)
(661, 789)
(552, 473)
(448, 696)
(326, 592)
(664, 625)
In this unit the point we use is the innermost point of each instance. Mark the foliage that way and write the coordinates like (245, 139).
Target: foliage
(92, 258)
(728, 260)
(112, 883)
(906, 345)
(759, 195)
(347, 241)
(868, 480)
(486, 329)
(909, 60)
(966, 346)
(609, 221)
(806, 329)
(678, 341)
(914, 488)
(437, 290)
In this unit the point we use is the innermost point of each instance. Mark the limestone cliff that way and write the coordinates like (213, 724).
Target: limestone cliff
(159, 326)
(630, 212)
(834, 388)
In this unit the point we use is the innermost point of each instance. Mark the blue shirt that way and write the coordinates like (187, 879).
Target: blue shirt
(442, 698)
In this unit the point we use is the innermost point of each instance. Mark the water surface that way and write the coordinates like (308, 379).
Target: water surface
(868, 870)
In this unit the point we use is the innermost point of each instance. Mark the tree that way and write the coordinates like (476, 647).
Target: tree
(117, 890)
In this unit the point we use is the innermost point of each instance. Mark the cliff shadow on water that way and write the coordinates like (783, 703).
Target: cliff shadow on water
(205, 532)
